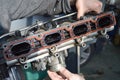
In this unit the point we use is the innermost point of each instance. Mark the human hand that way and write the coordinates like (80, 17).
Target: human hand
(84, 6)
(64, 75)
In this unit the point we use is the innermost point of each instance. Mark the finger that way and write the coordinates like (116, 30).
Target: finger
(65, 73)
(80, 8)
(54, 75)
(80, 13)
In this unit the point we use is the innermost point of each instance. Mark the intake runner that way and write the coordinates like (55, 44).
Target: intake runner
(30, 44)
(43, 48)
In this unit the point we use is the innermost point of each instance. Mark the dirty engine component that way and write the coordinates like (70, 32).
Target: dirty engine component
(46, 47)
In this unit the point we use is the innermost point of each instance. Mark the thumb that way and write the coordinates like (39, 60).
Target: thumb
(66, 73)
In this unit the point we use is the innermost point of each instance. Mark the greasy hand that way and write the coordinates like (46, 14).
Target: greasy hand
(84, 6)
(64, 72)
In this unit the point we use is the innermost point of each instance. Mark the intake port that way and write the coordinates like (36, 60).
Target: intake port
(21, 48)
(104, 21)
(52, 38)
(80, 29)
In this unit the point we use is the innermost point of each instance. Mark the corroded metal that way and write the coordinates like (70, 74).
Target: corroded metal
(57, 36)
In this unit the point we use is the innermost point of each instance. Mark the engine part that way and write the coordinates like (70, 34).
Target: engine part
(29, 45)
(56, 61)
(44, 49)
(104, 21)
(113, 2)
(21, 48)
(80, 29)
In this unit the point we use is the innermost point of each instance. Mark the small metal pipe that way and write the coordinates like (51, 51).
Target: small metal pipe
(78, 59)
(38, 53)
(66, 52)
(11, 62)
(64, 16)
(66, 43)
(37, 58)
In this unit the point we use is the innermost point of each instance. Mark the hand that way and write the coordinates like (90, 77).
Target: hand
(64, 75)
(84, 6)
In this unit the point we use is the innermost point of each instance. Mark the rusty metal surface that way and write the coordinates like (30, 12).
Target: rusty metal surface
(39, 38)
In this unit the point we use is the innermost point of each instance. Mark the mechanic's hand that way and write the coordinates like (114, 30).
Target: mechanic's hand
(84, 6)
(65, 75)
